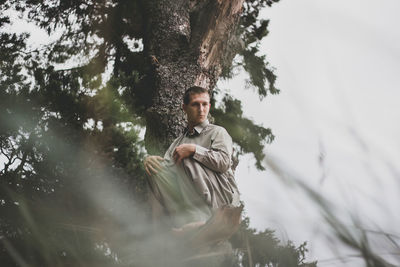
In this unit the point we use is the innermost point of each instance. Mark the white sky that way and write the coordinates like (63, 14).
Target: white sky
(338, 66)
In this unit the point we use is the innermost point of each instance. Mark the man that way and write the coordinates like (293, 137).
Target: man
(195, 176)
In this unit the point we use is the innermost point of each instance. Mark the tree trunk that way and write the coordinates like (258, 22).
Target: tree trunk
(185, 42)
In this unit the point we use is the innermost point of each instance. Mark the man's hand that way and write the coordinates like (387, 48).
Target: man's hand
(152, 164)
(183, 151)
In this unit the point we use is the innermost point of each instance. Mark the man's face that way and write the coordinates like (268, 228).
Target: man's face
(197, 109)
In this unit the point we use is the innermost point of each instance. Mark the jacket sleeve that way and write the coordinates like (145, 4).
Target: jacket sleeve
(218, 156)
(170, 150)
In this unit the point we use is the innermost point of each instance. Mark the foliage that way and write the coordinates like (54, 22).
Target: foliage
(248, 136)
(264, 249)
(71, 115)
(252, 29)
(111, 34)
(50, 149)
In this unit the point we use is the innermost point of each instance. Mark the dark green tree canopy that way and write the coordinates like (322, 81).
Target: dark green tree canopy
(110, 37)
(73, 114)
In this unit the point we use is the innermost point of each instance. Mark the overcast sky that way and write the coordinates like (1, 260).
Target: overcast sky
(338, 67)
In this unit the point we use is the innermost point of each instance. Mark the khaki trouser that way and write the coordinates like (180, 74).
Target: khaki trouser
(176, 193)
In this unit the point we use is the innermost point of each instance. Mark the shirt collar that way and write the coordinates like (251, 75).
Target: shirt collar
(199, 127)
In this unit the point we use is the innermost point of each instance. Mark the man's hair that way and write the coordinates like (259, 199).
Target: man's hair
(192, 91)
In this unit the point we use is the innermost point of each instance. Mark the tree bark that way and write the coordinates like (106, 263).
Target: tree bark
(185, 43)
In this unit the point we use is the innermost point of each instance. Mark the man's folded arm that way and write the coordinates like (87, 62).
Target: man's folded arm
(218, 157)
